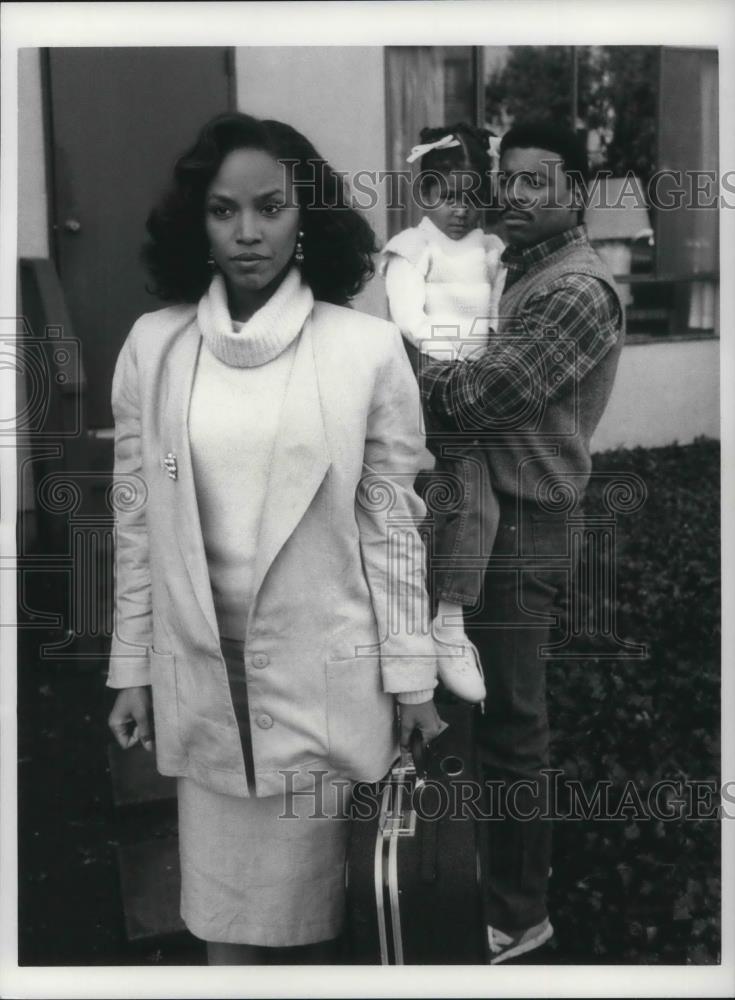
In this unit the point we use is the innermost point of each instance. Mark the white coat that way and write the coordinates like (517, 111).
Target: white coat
(339, 620)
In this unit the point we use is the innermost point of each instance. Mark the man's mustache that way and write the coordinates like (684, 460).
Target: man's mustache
(512, 210)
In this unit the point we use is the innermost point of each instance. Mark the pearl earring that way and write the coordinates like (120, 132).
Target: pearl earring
(211, 262)
(299, 249)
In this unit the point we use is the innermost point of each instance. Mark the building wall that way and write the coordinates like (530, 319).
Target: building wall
(32, 202)
(33, 237)
(335, 95)
(665, 392)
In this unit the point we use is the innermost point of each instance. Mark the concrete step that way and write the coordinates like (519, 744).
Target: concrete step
(151, 883)
(135, 779)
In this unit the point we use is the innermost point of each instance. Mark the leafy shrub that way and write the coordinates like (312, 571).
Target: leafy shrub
(638, 888)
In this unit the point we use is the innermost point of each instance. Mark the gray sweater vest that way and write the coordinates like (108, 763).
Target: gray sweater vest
(550, 442)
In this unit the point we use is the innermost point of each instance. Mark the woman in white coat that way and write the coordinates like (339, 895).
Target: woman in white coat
(271, 636)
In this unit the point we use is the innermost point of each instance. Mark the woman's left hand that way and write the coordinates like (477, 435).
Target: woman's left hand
(425, 717)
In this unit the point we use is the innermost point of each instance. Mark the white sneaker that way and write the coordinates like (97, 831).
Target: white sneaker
(504, 946)
(459, 667)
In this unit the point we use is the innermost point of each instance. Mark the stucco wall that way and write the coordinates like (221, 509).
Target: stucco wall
(335, 95)
(664, 393)
(32, 203)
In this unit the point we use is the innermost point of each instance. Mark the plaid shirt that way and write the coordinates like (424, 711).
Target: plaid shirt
(507, 376)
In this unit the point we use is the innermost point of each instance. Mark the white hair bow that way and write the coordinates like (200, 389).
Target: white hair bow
(445, 142)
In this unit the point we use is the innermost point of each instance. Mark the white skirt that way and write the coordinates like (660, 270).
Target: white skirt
(251, 875)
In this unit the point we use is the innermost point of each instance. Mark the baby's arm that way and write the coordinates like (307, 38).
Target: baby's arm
(496, 273)
(406, 290)
(494, 248)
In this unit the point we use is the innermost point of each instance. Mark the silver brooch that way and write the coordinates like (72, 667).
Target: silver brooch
(169, 464)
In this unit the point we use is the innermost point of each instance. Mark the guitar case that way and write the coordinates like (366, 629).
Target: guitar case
(414, 871)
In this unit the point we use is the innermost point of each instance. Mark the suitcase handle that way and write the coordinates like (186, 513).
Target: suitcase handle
(398, 812)
(428, 849)
(418, 753)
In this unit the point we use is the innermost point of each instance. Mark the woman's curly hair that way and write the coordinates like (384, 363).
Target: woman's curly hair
(471, 155)
(338, 242)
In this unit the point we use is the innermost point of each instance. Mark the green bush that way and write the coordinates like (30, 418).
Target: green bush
(637, 888)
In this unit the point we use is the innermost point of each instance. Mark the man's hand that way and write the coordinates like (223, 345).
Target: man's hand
(423, 716)
(131, 718)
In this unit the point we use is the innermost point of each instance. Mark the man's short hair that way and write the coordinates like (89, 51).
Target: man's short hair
(557, 139)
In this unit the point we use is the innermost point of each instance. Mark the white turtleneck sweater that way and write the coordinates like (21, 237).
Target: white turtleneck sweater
(239, 386)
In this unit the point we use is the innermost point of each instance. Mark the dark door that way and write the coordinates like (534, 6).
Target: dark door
(119, 118)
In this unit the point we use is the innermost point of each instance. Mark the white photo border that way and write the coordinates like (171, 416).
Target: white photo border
(462, 22)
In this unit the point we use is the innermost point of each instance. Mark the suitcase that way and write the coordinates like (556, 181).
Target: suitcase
(414, 872)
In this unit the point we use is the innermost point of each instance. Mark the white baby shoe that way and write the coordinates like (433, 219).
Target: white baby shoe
(459, 665)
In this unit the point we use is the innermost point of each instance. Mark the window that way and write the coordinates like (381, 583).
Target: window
(642, 109)
(427, 85)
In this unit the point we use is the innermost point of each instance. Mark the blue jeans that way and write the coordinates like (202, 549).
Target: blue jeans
(525, 586)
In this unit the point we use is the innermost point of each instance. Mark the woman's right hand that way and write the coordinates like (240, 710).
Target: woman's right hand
(131, 718)
(423, 717)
